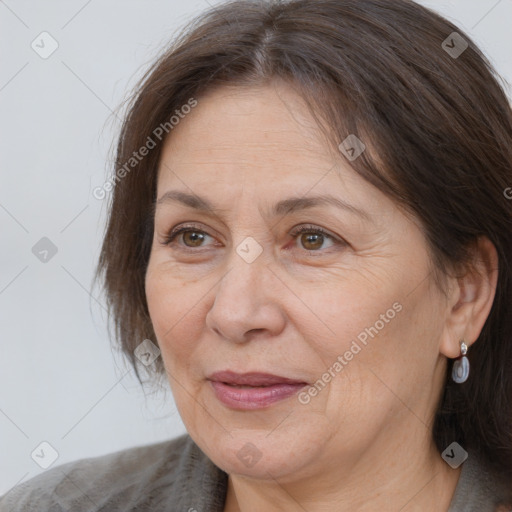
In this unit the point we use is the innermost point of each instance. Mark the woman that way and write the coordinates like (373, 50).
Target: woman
(310, 221)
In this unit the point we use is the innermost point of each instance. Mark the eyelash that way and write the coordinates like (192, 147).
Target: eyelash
(169, 239)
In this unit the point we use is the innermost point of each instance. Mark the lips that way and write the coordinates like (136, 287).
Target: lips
(252, 379)
(254, 390)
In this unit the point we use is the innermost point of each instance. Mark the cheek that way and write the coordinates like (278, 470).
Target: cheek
(388, 358)
(349, 312)
(360, 336)
(173, 309)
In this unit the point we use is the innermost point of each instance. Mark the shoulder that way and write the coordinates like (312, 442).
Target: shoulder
(138, 478)
(481, 489)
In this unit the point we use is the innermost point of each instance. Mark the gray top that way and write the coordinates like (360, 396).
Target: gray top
(176, 475)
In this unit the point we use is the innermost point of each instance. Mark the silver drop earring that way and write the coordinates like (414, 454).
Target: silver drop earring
(460, 371)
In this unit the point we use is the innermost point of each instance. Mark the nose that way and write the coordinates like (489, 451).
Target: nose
(247, 302)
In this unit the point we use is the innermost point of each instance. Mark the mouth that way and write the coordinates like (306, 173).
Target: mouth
(253, 390)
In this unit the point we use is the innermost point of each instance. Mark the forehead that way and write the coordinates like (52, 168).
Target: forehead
(248, 120)
(261, 139)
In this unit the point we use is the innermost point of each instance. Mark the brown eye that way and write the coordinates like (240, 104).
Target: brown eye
(192, 238)
(312, 238)
(312, 241)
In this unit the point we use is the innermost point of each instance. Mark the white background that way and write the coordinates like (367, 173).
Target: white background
(60, 381)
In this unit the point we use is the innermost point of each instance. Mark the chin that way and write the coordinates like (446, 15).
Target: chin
(262, 454)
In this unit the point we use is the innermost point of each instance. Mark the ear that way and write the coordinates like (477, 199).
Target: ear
(470, 299)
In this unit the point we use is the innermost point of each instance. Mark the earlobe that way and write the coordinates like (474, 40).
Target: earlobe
(471, 300)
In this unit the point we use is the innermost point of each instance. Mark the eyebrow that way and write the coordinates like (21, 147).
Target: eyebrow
(283, 207)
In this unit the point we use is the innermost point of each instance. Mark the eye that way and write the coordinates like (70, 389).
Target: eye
(192, 236)
(312, 238)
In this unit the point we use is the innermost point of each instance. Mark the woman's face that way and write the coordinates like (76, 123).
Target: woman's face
(351, 317)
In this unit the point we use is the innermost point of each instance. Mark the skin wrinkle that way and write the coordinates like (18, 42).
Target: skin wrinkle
(292, 315)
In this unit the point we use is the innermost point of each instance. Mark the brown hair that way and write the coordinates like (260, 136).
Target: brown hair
(439, 131)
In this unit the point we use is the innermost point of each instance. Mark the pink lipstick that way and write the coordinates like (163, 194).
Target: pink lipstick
(252, 390)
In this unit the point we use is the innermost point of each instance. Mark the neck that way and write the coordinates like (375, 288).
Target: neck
(398, 480)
